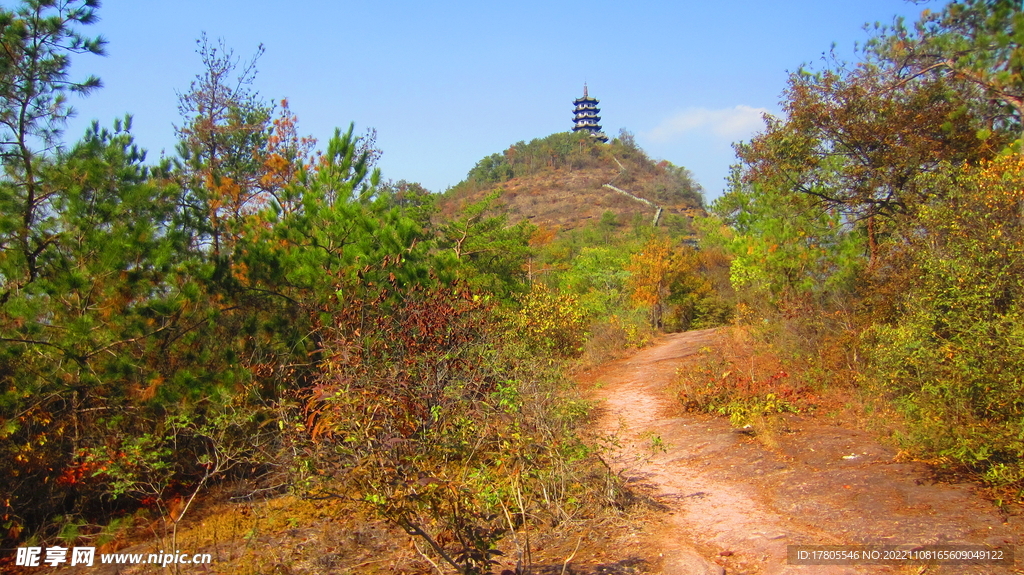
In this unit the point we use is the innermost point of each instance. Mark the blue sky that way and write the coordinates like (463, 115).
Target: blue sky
(447, 82)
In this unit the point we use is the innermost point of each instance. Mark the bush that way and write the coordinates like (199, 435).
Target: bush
(953, 356)
(745, 382)
(550, 322)
(425, 415)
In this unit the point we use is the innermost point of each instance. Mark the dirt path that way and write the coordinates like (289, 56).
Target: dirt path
(734, 505)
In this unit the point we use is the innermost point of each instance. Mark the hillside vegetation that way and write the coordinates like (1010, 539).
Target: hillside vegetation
(559, 182)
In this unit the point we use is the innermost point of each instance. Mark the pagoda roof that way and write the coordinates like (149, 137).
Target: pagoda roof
(586, 118)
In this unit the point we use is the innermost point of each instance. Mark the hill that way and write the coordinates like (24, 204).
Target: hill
(566, 180)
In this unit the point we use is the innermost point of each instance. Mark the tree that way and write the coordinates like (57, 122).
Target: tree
(412, 199)
(596, 275)
(36, 41)
(663, 274)
(286, 155)
(977, 41)
(627, 139)
(951, 353)
(788, 249)
(491, 253)
(96, 333)
(224, 139)
(855, 139)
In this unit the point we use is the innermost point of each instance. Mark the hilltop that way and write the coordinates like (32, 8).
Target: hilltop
(566, 180)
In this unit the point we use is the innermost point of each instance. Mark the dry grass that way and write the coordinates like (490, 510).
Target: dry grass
(287, 535)
(753, 383)
(744, 367)
(278, 535)
(564, 199)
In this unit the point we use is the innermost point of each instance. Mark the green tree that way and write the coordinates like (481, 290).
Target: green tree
(412, 199)
(787, 249)
(36, 42)
(96, 335)
(598, 277)
(491, 253)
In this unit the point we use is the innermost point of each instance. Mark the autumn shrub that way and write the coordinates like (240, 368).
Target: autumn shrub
(795, 273)
(550, 322)
(615, 335)
(441, 423)
(607, 340)
(952, 358)
(738, 380)
(393, 409)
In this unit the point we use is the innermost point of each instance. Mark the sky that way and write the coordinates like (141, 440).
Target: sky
(445, 83)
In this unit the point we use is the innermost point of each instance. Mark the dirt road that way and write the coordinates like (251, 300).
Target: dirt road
(735, 505)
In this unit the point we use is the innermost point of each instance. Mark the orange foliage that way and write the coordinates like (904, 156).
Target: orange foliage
(650, 272)
(542, 236)
(287, 153)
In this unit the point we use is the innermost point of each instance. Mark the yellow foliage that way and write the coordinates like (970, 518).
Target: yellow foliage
(650, 272)
(660, 270)
(551, 321)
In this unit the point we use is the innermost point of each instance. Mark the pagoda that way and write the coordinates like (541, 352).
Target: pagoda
(585, 116)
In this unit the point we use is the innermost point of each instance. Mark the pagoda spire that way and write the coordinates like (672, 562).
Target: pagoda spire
(585, 116)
